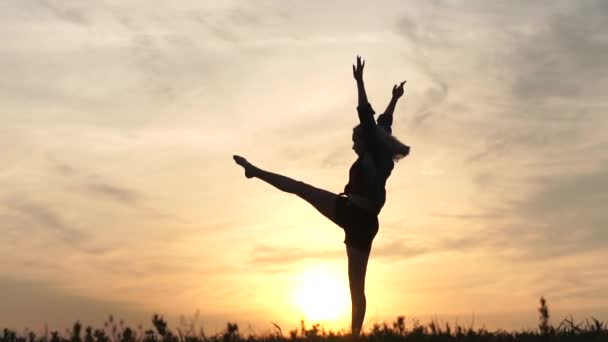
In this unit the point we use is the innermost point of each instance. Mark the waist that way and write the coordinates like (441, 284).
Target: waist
(373, 205)
(362, 202)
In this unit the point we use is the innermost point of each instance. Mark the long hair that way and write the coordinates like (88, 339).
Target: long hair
(396, 148)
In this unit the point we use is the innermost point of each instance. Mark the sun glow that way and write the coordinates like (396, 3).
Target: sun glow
(321, 294)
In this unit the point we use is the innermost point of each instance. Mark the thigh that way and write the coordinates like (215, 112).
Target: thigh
(360, 226)
(324, 201)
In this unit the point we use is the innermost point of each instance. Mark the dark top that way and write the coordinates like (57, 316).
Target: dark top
(368, 174)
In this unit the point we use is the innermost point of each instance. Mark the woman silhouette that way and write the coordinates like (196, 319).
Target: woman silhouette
(356, 209)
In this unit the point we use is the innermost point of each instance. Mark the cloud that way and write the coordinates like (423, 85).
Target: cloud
(469, 216)
(46, 218)
(64, 13)
(231, 25)
(398, 251)
(114, 192)
(525, 66)
(147, 265)
(434, 97)
(422, 32)
(95, 184)
(564, 216)
(271, 256)
(276, 256)
(427, 40)
(37, 303)
(560, 215)
(64, 169)
(37, 220)
(92, 184)
(463, 244)
(564, 58)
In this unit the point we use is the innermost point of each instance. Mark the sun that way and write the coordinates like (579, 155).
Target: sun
(321, 294)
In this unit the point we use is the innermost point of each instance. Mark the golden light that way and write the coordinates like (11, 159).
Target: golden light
(322, 294)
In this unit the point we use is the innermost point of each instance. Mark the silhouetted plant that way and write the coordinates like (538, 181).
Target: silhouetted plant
(590, 329)
(568, 326)
(76, 332)
(596, 326)
(161, 328)
(159, 324)
(88, 334)
(149, 336)
(101, 336)
(55, 336)
(278, 330)
(544, 326)
(127, 335)
(9, 336)
(311, 333)
(232, 332)
(399, 325)
(189, 326)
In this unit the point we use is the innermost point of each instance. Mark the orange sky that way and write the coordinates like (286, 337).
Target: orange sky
(119, 194)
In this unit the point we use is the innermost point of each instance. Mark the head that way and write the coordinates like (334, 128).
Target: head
(396, 147)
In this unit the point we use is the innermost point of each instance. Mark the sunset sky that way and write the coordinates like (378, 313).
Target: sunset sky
(118, 194)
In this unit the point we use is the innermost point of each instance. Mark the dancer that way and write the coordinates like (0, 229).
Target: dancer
(356, 209)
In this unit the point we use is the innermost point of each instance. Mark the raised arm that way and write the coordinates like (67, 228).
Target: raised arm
(358, 75)
(385, 120)
(365, 110)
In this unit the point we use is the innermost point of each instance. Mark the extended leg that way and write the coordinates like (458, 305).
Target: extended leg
(357, 267)
(323, 200)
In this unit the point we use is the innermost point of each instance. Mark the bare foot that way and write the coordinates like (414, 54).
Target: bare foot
(249, 169)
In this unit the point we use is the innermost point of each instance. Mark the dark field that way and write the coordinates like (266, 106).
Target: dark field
(400, 330)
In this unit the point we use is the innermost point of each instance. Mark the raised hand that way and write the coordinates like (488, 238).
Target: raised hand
(398, 90)
(358, 69)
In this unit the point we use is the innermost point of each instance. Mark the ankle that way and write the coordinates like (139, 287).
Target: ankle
(252, 171)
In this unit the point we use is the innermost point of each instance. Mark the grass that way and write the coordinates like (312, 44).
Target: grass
(568, 330)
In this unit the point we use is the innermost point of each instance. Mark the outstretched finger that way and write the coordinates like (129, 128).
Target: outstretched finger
(402, 83)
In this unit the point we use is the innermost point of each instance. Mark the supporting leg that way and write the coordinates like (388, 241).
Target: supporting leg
(357, 267)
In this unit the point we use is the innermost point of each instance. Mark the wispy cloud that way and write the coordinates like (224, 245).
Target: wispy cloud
(468, 216)
(566, 214)
(275, 256)
(48, 224)
(271, 256)
(434, 97)
(64, 12)
(114, 192)
(92, 184)
(398, 251)
(44, 217)
(564, 58)
(37, 301)
(563, 216)
(538, 101)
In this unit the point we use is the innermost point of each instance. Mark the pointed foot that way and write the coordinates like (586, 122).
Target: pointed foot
(249, 169)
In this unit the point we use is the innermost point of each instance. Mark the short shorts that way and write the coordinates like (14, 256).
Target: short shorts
(360, 226)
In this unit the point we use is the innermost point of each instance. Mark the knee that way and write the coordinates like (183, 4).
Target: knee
(297, 187)
(301, 186)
